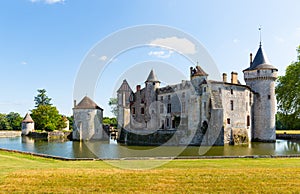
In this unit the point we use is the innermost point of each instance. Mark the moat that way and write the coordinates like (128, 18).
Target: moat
(112, 150)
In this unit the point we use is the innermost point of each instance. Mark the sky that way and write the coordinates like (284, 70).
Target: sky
(44, 43)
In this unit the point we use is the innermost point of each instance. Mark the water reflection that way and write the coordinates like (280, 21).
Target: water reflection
(111, 149)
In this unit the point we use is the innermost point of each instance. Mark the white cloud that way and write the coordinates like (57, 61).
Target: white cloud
(236, 40)
(24, 63)
(279, 39)
(161, 54)
(103, 58)
(48, 1)
(182, 45)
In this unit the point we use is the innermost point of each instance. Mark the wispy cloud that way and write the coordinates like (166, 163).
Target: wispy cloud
(235, 41)
(161, 54)
(48, 1)
(182, 45)
(24, 63)
(279, 39)
(103, 58)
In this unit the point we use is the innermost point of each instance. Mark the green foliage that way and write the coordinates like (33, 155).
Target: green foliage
(110, 121)
(4, 124)
(14, 120)
(42, 98)
(47, 118)
(71, 121)
(288, 95)
(113, 103)
(11, 121)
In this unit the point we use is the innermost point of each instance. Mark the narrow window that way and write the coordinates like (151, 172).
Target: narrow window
(133, 110)
(183, 107)
(169, 108)
(228, 120)
(204, 89)
(269, 97)
(248, 120)
(258, 71)
(161, 108)
(231, 91)
(169, 97)
(204, 107)
(168, 122)
(231, 104)
(142, 111)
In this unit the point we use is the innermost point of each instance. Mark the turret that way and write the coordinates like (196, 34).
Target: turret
(123, 97)
(261, 76)
(151, 84)
(198, 75)
(27, 125)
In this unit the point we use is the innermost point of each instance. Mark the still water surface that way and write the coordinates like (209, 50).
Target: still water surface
(111, 149)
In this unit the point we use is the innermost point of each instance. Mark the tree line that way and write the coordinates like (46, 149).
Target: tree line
(288, 97)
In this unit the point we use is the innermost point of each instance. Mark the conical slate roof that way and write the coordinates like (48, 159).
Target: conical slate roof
(124, 87)
(152, 77)
(260, 61)
(27, 119)
(87, 103)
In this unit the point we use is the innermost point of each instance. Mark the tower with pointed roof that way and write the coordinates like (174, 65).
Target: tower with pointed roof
(198, 76)
(151, 85)
(261, 76)
(123, 95)
(27, 124)
(88, 118)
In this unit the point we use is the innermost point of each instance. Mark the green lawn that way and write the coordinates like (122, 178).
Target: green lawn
(28, 174)
(288, 131)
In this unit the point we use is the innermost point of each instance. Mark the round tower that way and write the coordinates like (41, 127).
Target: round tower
(27, 125)
(261, 76)
(151, 84)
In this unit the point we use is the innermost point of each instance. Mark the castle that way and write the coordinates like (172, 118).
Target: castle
(200, 111)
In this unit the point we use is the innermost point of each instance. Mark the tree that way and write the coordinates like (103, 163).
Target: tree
(71, 121)
(4, 124)
(42, 98)
(47, 118)
(288, 95)
(110, 121)
(14, 120)
(113, 103)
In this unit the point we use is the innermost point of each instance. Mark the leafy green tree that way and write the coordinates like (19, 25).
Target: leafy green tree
(4, 124)
(71, 121)
(110, 121)
(14, 120)
(288, 95)
(113, 103)
(47, 118)
(42, 98)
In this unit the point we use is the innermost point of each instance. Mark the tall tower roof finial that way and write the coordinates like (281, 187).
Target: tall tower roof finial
(259, 28)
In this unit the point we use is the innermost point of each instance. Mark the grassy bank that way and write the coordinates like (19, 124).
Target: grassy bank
(294, 132)
(24, 173)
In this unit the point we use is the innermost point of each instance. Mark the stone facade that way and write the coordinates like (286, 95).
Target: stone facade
(88, 118)
(206, 112)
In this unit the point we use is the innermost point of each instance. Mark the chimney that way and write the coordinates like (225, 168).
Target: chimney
(138, 88)
(251, 59)
(234, 77)
(75, 103)
(224, 77)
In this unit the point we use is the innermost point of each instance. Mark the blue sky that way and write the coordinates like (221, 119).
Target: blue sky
(44, 42)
